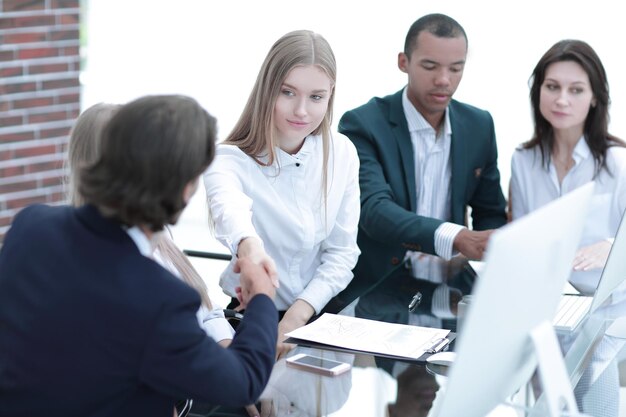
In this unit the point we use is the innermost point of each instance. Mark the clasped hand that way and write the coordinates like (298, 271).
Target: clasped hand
(254, 261)
(253, 280)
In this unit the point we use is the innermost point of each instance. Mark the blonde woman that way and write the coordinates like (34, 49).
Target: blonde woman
(282, 190)
(84, 148)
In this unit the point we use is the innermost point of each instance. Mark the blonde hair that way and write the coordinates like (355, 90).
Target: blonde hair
(84, 145)
(84, 149)
(254, 131)
(168, 249)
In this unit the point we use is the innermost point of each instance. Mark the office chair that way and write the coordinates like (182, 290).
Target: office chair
(207, 255)
(231, 315)
(183, 407)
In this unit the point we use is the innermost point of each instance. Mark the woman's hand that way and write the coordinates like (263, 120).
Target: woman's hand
(296, 316)
(253, 280)
(252, 249)
(592, 256)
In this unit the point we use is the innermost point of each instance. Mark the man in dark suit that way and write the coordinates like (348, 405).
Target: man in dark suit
(424, 159)
(90, 325)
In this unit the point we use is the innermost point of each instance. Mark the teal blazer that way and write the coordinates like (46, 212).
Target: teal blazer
(389, 225)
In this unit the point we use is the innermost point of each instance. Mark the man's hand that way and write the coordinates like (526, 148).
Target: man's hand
(266, 409)
(225, 342)
(455, 299)
(472, 244)
(592, 256)
(253, 280)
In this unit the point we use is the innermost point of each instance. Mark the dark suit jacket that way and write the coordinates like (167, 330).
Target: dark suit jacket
(90, 327)
(389, 225)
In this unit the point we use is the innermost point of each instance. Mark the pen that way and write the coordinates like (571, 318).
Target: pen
(415, 301)
(439, 345)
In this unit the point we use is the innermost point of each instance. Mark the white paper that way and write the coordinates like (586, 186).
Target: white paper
(370, 335)
(478, 267)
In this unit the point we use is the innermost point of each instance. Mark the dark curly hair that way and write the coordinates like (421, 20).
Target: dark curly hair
(150, 150)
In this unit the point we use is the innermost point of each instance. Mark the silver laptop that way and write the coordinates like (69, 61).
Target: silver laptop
(574, 308)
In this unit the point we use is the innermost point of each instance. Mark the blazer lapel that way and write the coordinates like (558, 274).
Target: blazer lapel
(459, 147)
(400, 130)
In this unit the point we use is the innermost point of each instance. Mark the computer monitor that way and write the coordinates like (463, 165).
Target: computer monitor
(613, 273)
(527, 264)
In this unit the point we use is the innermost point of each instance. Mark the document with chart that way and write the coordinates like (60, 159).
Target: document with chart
(371, 336)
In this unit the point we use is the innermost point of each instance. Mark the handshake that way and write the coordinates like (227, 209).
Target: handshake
(254, 279)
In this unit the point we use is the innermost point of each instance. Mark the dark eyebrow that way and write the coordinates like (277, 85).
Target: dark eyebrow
(429, 61)
(294, 88)
(556, 81)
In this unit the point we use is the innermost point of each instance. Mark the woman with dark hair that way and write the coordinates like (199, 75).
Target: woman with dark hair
(90, 324)
(571, 146)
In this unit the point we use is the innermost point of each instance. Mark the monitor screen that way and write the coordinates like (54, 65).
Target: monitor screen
(526, 266)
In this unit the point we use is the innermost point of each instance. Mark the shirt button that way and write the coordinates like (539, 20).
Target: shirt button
(297, 164)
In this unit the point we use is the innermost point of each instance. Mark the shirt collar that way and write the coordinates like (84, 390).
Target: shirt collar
(579, 154)
(581, 151)
(416, 122)
(141, 240)
(285, 159)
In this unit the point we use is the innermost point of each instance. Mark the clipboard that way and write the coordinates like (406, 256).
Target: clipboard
(355, 334)
(442, 345)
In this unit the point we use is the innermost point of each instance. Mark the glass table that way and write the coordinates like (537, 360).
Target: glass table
(380, 387)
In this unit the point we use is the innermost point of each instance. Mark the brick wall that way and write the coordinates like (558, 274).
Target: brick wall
(39, 99)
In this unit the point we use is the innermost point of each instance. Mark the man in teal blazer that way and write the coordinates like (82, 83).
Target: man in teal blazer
(388, 148)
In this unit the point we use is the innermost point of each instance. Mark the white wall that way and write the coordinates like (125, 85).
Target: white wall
(212, 51)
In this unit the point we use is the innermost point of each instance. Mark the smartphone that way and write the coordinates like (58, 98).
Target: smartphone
(317, 365)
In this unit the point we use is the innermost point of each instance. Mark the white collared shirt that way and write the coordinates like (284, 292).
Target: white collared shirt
(533, 185)
(141, 241)
(432, 178)
(314, 249)
(213, 321)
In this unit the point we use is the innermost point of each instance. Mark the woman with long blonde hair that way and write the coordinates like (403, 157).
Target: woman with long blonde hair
(84, 148)
(284, 191)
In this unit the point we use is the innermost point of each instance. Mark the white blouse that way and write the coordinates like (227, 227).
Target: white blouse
(533, 185)
(213, 321)
(312, 241)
